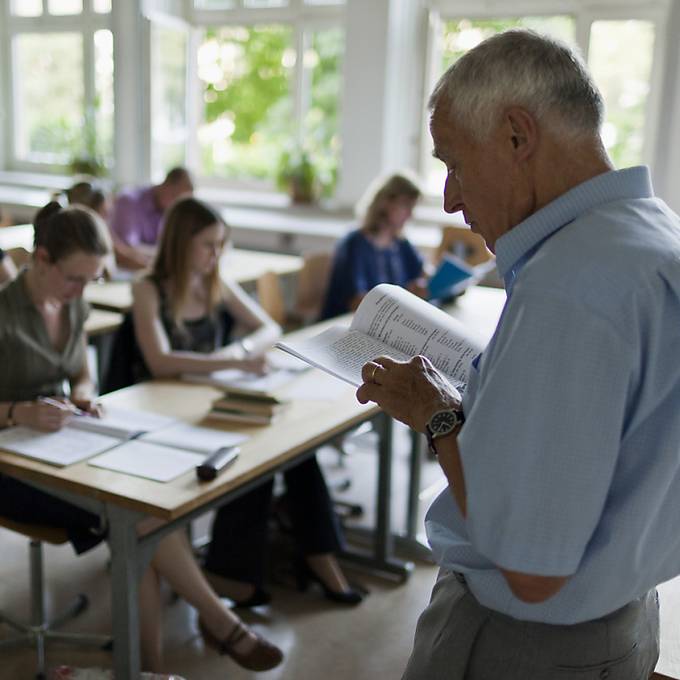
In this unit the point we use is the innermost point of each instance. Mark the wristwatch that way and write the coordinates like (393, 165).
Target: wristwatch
(440, 424)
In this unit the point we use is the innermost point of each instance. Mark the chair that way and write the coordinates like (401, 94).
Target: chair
(41, 630)
(312, 284)
(270, 297)
(464, 243)
(20, 256)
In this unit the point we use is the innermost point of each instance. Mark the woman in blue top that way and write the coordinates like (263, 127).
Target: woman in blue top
(376, 252)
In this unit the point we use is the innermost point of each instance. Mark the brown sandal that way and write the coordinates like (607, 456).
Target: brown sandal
(262, 657)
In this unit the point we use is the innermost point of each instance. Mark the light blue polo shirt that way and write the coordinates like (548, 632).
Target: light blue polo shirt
(571, 447)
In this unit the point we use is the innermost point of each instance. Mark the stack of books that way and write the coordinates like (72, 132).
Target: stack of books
(240, 407)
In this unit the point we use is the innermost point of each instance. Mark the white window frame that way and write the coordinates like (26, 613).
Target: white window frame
(585, 13)
(303, 19)
(87, 24)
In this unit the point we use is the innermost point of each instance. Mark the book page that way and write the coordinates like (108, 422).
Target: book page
(151, 461)
(205, 440)
(61, 448)
(341, 352)
(411, 326)
(122, 423)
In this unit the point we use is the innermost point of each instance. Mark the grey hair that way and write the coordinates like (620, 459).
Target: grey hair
(520, 68)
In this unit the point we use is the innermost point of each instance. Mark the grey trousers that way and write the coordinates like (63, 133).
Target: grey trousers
(459, 639)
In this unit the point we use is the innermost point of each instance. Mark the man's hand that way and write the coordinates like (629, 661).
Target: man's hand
(410, 391)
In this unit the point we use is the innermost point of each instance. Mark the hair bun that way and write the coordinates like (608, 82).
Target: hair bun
(42, 220)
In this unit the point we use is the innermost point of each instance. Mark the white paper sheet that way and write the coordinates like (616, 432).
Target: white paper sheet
(151, 461)
(60, 448)
(122, 423)
(194, 438)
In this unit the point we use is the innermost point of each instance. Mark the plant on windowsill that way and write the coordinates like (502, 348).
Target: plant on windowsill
(88, 160)
(298, 175)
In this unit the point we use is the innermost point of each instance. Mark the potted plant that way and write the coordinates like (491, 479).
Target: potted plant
(297, 174)
(88, 161)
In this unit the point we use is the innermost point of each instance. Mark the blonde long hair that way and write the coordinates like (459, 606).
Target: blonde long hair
(383, 191)
(185, 218)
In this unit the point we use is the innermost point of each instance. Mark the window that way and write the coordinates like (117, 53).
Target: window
(168, 98)
(61, 86)
(624, 75)
(266, 88)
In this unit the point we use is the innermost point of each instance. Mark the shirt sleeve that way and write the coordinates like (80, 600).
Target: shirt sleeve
(123, 221)
(413, 261)
(541, 441)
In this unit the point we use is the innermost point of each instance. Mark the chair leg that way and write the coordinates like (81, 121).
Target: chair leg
(41, 631)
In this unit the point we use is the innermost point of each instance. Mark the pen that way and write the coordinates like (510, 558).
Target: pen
(216, 463)
(60, 404)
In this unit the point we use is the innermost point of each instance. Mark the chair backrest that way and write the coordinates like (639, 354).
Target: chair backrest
(36, 532)
(271, 298)
(20, 256)
(312, 284)
(464, 243)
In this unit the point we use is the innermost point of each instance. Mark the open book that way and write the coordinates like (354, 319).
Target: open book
(454, 275)
(83, 437)
(167, 453)
(391, 322)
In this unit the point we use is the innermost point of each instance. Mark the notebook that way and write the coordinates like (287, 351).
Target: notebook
(167, 453)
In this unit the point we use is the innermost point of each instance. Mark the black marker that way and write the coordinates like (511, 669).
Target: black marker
(216, 463)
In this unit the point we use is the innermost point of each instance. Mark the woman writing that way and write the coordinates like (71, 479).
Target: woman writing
(376, 252)
(42, 347)
(185, 319)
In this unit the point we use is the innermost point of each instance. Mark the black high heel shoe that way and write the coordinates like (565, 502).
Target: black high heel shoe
(304, 574)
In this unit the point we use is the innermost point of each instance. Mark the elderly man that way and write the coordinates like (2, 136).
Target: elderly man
(562, 510)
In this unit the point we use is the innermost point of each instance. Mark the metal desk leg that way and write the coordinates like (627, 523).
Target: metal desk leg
(382, 558)
(125, 573)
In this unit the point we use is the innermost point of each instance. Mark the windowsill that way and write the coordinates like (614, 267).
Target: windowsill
(259, 212)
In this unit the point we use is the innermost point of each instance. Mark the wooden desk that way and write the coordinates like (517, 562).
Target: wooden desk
(243, 266)
(100, 322)
(18, 236)
(125, 500)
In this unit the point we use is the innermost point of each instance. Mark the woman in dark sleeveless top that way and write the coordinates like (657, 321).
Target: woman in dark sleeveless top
(184, 317)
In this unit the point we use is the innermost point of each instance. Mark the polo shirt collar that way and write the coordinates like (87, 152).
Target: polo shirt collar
(517, 244)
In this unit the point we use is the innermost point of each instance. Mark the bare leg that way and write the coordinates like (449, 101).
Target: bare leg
(150, 609)
(174, 561)
(326, 567)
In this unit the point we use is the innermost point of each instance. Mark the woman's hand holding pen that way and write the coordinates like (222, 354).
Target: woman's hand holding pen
(50, 414)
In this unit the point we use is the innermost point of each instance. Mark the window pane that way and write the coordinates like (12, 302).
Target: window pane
(623, 75)
(461, 35)
(103, 65)
(265, 3)
(246, 88)
(168, 98)
(65, 6)
(101, 6)
(27, 8)
(214, 4)
(48, 87)
(321, 123)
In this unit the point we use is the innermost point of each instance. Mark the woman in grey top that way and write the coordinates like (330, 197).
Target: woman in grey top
(42, 354)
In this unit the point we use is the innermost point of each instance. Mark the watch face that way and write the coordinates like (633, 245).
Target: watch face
(444, 421)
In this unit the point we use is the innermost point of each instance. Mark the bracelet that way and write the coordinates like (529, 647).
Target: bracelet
(10, 422)
(246, 346)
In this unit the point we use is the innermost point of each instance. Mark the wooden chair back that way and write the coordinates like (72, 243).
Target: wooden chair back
(312, 284)
(464, 243)
(20, 256)
(36, 532)
(270, 296)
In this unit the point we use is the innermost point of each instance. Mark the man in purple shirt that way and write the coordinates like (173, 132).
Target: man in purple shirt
(137, 217)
